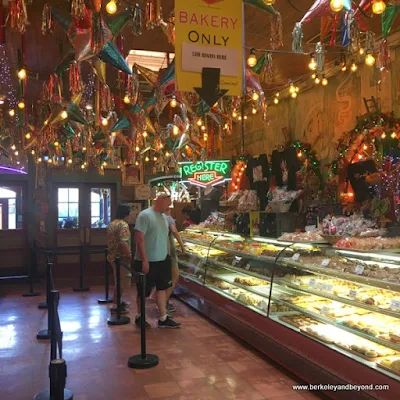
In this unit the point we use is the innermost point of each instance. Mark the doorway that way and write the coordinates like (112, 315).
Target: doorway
(13, 229)
(82, 214)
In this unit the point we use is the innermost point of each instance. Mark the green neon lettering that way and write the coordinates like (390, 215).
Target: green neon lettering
(186, 170)
(224, 168)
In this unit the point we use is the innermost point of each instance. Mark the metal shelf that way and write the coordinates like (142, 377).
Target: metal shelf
(341, 326)
(339, 299)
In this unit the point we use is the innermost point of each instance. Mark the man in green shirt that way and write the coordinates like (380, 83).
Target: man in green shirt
(151, 236)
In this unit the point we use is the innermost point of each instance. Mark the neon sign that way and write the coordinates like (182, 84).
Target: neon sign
(207, 173)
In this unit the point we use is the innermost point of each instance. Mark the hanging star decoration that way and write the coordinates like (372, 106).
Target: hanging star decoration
(92, 37)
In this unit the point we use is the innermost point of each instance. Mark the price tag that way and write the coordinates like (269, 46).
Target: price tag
(236, 260)
(325, 262)
(295, 257)
(263, 305)
(395, 305)
(312, 283)
(326, 287)
(359, 269)
(353, 294)
(325, 310)
(248, 266)
(230, 290)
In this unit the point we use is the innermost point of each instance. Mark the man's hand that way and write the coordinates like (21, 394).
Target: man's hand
(145, 267)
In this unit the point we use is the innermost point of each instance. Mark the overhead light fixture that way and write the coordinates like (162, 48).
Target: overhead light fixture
(111, 7)
(369, 59)
(324, 81)
(22, 74)
(254, 110)
(353, 67)
(312, 64)
(317, 80)
(255, 96)
(173, 103)
(276, 100)
(361, 51)
(21, 104)
(292, 88)
(252, 60)
(378, 7)
(11, 113)
(343, 68)
(337, 5)
(294, 95)
(313, 76)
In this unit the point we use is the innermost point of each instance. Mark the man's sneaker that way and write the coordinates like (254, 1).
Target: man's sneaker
(137, 322)
(170, 307)
(123, 310)
(168, 323)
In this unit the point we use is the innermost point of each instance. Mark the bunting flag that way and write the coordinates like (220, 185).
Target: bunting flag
(388, 17)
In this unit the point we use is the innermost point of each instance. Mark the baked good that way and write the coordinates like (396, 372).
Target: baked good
(250, 281)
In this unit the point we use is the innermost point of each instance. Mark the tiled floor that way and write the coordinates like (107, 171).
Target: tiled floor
(200, 361)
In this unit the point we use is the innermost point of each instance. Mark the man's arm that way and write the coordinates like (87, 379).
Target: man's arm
(177, 236)
(140, 244)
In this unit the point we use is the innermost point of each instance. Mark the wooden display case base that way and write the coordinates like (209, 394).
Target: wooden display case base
(311, 361)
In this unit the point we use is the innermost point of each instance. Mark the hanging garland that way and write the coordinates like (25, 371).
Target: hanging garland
(383, 129)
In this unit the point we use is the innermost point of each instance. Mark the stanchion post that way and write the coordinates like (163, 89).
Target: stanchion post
(30, 293)
(143, 360)
(46, 333)
(106, 299)
(43, 305)
(118, 320)
(57, 366)
(81, 288)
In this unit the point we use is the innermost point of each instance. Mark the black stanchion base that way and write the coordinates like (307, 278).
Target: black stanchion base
(116, 321)
(43, 335)
(105, 301)
(139, 362)
(42, 306)
(68, 395)
(84, 289)
(31, 294)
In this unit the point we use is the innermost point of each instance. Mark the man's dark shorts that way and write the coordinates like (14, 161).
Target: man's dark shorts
(159, 275)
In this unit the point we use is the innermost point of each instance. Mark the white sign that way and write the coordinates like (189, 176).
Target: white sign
(359, 269)
(142, 192)
(196, 57)
(295, 257)
(325, 262)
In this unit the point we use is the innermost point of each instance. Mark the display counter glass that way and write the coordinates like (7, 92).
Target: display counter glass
(346, 300)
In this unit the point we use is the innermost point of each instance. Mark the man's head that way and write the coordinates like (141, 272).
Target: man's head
(124, 212)
(161, 203)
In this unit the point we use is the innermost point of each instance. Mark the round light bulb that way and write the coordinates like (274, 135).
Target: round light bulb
(175, 130)
(255, 96)
(299, 154)
(276, 100)
(344, 68)
(313, 76)
(21, 105)
(378, 7)
(354, 67)
(28, 136)
(136, 162)
(64, 114)
(317, 80)
(245, 117)
(312, 64)
(127, 100)
(13, 147)
(199, 122)
(104, 121)
(294, 95)
(137, 148)
(365, 147)
(173, 103)
(254, 110)
(83, 166)
(111, 7)
(83, 148)
(292, 89)
(252, 60)
(337, 5)
(361, 51)
(16, 153)
(39, 160)
(234, 114)
(145, 134)
(393, 135)
(383, 135)
(33, 152)
(203, 127)
(147, 159)
(167, 154)
(324, 81)
(69, 161)
(56, 144)
(49, 160)
(155, 158)
(11, 113)
(22, 73)
(370, 60)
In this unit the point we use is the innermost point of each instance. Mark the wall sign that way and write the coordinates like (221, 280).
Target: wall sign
(207, 173)
(209, 34)
(142, 192)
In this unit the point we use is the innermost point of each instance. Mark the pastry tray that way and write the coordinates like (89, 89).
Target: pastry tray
(381, 366)
(356, 353)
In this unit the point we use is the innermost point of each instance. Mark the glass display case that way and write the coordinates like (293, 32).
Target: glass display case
(348, 301)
